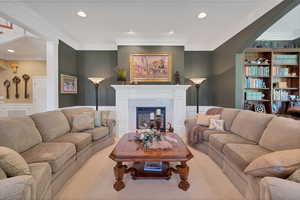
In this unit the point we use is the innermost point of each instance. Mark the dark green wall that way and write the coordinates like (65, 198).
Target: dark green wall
(177, 53)
(198, 64)
(67, 64)
(223, 79)
(96, 64)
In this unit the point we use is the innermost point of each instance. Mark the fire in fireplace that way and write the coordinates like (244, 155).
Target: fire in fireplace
(145, 116)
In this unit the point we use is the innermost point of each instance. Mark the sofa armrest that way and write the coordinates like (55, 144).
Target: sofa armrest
(189, 123)
(272, 188)
(17, 188)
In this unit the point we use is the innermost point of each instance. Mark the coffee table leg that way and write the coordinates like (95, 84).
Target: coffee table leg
(183, 171)
(119, 171)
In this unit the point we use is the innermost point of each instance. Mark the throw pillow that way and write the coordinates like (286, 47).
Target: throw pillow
(215, 124)
(83, 122)
(105, 117)
(98, 118)
(203, 119)
(12, 163)
(2, 174)
(276, 164)
(295, 176)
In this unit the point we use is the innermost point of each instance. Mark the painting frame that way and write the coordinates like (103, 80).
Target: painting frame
(64, 79)
(134, 78)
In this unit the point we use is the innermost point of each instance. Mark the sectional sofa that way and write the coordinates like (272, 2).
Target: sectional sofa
(248, 136)
(53, 152)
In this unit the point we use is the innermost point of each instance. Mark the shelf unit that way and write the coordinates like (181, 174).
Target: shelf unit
(280, 68)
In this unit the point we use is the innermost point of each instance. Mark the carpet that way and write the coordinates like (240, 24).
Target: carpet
(94, 181)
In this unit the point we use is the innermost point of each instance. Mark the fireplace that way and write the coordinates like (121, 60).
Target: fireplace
(144, 115)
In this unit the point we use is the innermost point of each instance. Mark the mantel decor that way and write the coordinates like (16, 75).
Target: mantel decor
(68, 84)
(151, 67)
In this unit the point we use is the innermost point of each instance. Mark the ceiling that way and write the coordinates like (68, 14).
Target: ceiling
(287, 28)
(108, 22)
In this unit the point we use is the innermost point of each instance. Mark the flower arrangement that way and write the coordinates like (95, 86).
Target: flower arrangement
(121, 73)
(152, 139)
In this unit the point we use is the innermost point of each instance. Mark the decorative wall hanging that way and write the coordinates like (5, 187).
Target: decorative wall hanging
(68, 84)
(7, 86)
(16, 81)
(26, 79)
(154, 67)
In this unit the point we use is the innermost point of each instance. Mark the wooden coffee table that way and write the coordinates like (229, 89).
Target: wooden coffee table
(127, 150)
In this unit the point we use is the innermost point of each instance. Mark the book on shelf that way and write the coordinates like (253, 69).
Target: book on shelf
(257, 71)
(153, 166)
(254, 83)
(285, 59)
(278, 71)
(280, 95)
(254, 96)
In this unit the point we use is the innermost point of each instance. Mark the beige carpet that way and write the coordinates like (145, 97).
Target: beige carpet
(95, 179)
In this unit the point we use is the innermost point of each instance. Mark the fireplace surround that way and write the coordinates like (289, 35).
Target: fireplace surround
(129, 97)
(143, 116)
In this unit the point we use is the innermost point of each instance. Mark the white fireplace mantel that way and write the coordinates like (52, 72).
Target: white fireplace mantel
(126, 95)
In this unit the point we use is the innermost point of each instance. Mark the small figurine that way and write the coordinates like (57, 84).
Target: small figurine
(177, 78)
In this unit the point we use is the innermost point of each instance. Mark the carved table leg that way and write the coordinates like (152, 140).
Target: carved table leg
(119, 171)
(183, 171)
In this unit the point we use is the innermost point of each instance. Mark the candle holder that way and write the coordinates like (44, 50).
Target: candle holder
(158, 122)
(152, 124)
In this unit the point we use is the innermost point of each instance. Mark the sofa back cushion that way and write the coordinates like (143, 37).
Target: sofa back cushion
(228, 115)
(250, 125)
(2, 174)
(69, 113)
(281, 134)
(214, 111)
(51, 124)
(19, 133)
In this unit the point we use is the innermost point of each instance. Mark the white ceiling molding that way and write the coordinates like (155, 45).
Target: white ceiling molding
(19, 13)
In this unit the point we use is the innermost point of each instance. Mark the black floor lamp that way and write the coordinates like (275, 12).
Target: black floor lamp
(197, 82)
(96, 82)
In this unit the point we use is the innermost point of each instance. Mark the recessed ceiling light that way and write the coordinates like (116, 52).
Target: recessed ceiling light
(81, 14)
(171, 32)
(11, 51)
(202, 15)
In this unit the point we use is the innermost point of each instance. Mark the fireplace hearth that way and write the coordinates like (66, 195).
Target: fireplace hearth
(147, 117)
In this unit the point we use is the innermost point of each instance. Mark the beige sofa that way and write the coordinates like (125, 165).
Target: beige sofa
(53, 153)
(247, 136)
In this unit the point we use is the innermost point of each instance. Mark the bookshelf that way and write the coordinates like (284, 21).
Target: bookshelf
(270, 77)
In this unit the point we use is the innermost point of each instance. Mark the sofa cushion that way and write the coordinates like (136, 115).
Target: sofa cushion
(12, 163)
(2, 174)
(250, 125)
(218, 141)
(278, 164)
(69, 113)
(208, 133)
(98, 133)
(83, 121)
(56, 154)
(228, 115)
(12, 129)
(214, 111)
(281, 134)
(204, 119)
(41, 173)
(295, 176)
(80, 140)
(51, 124)
(243, 154)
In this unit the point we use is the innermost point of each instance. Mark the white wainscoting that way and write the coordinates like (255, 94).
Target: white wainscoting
(15, 110)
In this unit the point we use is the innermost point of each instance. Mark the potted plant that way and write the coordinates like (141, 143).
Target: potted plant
(121, 74)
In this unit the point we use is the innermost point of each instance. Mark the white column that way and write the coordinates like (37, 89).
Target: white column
(52, 75)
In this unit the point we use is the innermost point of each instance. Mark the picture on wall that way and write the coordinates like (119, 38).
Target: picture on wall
(68, 84)
(150, 67)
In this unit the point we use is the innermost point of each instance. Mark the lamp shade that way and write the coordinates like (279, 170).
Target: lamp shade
(198, 80)
(96, 80)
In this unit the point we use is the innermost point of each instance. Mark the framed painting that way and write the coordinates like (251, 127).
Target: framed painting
(68, 84)
(150, 67)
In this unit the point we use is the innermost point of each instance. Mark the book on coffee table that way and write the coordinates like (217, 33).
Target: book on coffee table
(153, 166)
